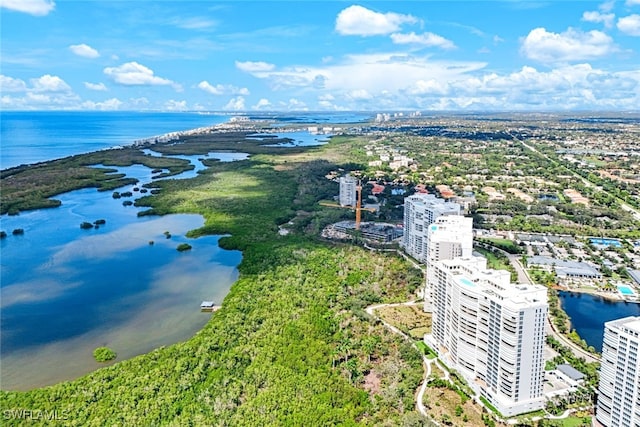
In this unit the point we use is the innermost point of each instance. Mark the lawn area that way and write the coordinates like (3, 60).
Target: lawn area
(497, 262)
(504, 244)
(577, 421)
(411, 319)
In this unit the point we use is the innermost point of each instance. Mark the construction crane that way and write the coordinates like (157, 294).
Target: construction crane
(358, 208)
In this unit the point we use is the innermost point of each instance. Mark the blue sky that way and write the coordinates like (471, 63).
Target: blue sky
(506, 55)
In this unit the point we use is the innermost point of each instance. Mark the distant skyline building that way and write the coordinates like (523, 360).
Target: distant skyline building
(491, 331)
(348, 190)
(421, 210)
(619, 389)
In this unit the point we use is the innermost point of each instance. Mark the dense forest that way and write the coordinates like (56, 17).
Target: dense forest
(291, 345)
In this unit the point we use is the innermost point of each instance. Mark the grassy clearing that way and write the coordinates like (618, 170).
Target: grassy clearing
(411, 319)
(493, 261)
(444, 405)
(583, 420)
(504, 244)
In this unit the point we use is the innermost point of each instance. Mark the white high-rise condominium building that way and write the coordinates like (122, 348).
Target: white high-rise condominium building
(491, 331)
(348, 190)
(449, 237)
(420, 210)
(619, 389)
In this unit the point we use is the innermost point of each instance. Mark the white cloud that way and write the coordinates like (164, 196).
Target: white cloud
(235, 104)
(326, 97)
(195, 23)
(84, 50)
(597, 17)
(107, 105)
(49, 83)
(173, 105)
(359, 95)
(294, 105)
(222, 89)
(41, 101)
(95, 86)
(32, 7)
(425, 39)
(372, 72)
(9, 84)
(359, 21)
(263, 104)
(607, 6)
(252, 67)
(428, 87)
(633, 3)
(568, 87)
(139, 101)
(134, 74)
(630, 25)
(572, 45)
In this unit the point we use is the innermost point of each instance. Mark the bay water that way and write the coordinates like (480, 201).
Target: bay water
(65, 290)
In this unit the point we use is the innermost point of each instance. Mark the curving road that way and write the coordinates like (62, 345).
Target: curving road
(523, 277)
(425, 361)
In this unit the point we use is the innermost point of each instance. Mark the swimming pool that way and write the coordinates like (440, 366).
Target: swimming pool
(467, 282)
(606, 242)
(625, 290)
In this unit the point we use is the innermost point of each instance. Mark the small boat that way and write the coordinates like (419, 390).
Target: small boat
(208, 306)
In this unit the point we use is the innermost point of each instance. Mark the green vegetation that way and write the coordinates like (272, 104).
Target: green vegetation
(426, 350)
(498, 261)
(104, 354)
(503, 244)
(183, 247)
(31, 187)
(412, 320)
(86, 225)
(291, 345)
(492, 408)
(18, 232)
(589, 369)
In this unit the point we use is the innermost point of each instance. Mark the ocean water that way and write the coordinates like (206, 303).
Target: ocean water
(37, 136)
(31, 137)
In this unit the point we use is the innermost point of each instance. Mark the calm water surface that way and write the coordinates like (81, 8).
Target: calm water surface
(66, 290)
(588, 314)
(36, 136)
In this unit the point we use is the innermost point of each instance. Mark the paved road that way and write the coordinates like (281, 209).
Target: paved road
(524, 278)
(578, 351)
(425, 362)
